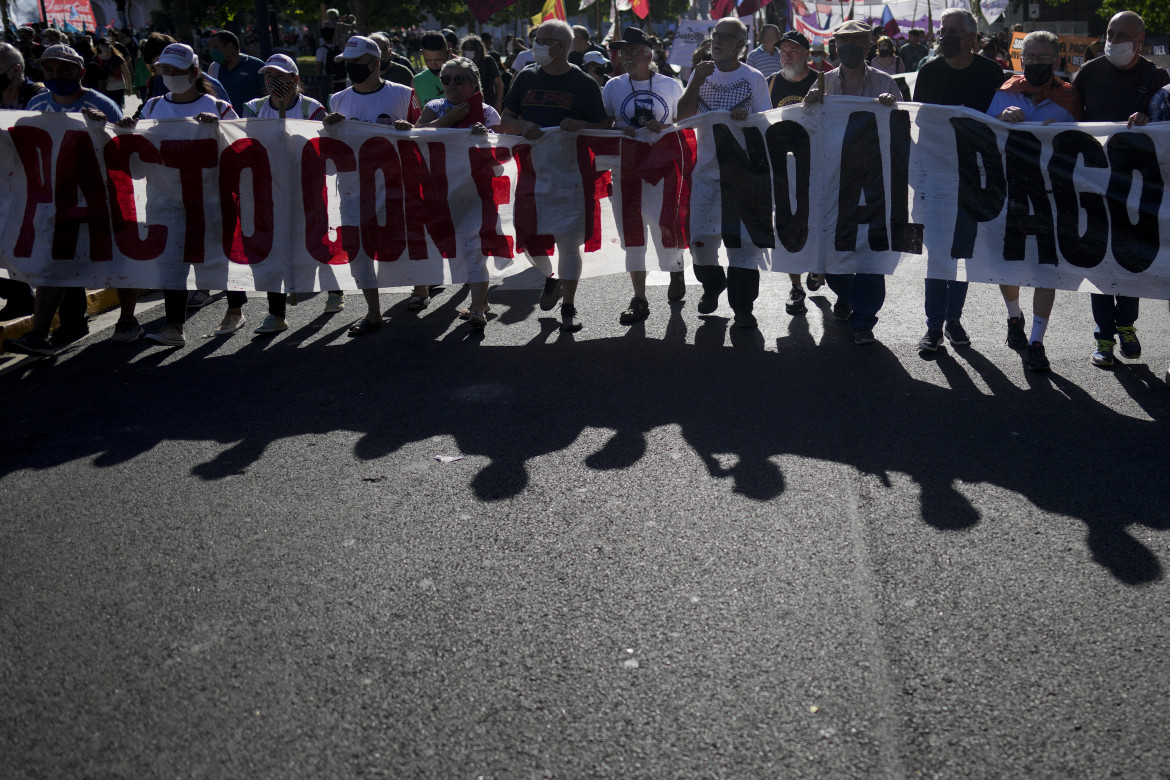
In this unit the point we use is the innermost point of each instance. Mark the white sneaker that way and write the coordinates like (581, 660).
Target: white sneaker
(335, 303)
(168, 336)
(230, 324)
(272, 324)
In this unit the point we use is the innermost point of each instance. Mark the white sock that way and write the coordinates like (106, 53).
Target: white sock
(1039, 325)
(1014, 309)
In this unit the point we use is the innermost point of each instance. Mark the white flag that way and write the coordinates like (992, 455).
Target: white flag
(624, 5)
(584, 4)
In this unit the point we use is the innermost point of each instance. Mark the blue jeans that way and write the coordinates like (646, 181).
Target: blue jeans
(865, 294)
(1109, 311)
(944, 301)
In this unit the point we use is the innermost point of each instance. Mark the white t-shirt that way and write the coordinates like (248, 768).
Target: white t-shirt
(304, 108)
(744, 87)
(163, 108)
(523, 60)
(632, 103)
(391, 102)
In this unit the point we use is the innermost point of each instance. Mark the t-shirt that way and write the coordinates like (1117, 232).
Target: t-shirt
(1160, 106)
(391, 102)
(489, 71)
(974, 86)
(1112, 95)
(1033, 112)
(765, 63)
(440, 106)
(634, 103)
(783, 92)
(164, 108)
(427, 86)
(535, 96)
(304, 108)
(396, 73)
(744, 87)
(912, 54)
(243, 82)
(43, 101)
(523, 60)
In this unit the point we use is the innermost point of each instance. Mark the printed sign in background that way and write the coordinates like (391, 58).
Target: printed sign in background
(1072, 51)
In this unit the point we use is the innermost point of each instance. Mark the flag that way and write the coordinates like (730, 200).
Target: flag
(890, 23)
(641, 8)
(722, 8)
(849, 16)
(749, 7)
(483, 9)
(624, 5)
(553, 9)
(584, 4)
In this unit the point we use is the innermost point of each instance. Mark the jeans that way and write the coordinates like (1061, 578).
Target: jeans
(944, 301)
(1109, 311)
(865, 294)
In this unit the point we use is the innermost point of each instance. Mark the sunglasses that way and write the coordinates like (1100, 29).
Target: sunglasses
(457, 80)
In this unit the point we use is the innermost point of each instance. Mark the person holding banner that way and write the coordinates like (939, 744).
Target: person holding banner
(958, 78)
(1036, 96)
(555, 94)
(859, 296)
(723, 83)
(463, 106)
(1118, 87)
(641, 98)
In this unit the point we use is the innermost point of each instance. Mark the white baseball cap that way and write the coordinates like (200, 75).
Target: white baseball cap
(594, 58)
(359, 46)
(177, 55)
(282, 63)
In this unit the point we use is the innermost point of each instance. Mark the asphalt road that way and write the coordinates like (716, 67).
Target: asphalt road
(670, 550)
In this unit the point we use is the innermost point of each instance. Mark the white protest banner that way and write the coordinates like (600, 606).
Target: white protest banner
(687, 37)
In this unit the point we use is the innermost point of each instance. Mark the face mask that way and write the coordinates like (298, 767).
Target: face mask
(217, 55)
(951, 46)
(851, 55)
(63, 87)
(1119, 54)
(541, 55)
(178, 84)
(1038, 75)
(469, 54)
(357, 73)
(884, 52)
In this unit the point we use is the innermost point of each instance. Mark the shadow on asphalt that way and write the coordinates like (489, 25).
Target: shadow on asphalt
(1050, 443)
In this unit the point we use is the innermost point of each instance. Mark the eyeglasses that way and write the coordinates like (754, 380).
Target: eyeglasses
(457, 80)
(724, 36)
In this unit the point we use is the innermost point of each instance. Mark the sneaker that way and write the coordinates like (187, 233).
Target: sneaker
(1131, 348)
(272, 324)
(477, 320)
(842, 310)
(1103, 356)
(230, 324)
(814, 281)
(127, 331)
(1016, 338)
(1034, 357)
(334, 303)
(795, 303)
(639, 310)
(550, 294)
(677, 289)
(863, 336)
(956, 333)
(745, 319)
(67, 334)
(197, 299)
(168, 336)
(570, 322)
(29, 344)
(931, 341)
(14, 310)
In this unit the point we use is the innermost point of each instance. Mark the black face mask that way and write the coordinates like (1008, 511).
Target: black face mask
(851, 55)
(951, 46)
(884, 52)
(357, 73)
(1038, 75)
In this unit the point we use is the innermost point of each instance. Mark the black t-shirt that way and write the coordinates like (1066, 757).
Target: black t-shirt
(538, 97)
(396, 73)
(1112, 95)
(489, 71)
(783, 92)
(974, 86)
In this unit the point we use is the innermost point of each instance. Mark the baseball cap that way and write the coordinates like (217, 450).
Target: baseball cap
(177, 55)
(63, 53)
(594, 58)
(792, 36)
(359, 46)
(282, 63)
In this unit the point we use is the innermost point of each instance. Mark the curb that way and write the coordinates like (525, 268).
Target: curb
(98, 301)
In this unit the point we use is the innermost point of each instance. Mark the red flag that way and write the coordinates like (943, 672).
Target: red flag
(641, 8)
(722, 8)
(483, 9)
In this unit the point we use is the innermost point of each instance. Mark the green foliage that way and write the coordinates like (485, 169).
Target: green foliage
(1155, 13)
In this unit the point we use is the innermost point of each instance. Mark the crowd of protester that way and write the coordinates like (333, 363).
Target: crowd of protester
(559, 77)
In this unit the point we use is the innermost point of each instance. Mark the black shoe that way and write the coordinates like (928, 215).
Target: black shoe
(1016, 338)
(550, 294)
(842, 310)
(795, 303)
(678, 287)
(570, 322)
(814, 281)
(863, 336)
(67, 334)
(14, 310)
(29, 344)
(745, 319)
(956, 333)
(638, 311)
(1034, 357)
(931, 341)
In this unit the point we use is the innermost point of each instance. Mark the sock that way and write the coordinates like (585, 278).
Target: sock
(1014, 309)
(1039, 325)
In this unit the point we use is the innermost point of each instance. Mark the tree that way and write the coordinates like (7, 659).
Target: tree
(1155, 13)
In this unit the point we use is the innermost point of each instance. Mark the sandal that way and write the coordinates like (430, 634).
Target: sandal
(364, 326)
(417, 302)
(467, 312)
(477, 320)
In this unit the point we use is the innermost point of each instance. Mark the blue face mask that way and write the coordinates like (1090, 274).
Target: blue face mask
(63, 87)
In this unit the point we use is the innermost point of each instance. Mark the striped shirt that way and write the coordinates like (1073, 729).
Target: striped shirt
(764, 62)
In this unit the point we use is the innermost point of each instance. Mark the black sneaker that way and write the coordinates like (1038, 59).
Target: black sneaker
(842, 310)
(956, 333)
(570, 322)
(678, 287)
(550, 294)
(931, 341)
(863, 336)
(814, 281)
(639, 310)
(1034, 357)
(67, 334)
(745, 319)
(29, 344)
(795, 303)
(1016, 338)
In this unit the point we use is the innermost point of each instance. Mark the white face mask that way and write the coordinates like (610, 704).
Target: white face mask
(1119, 54)
(541, 55)
(178, 84)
